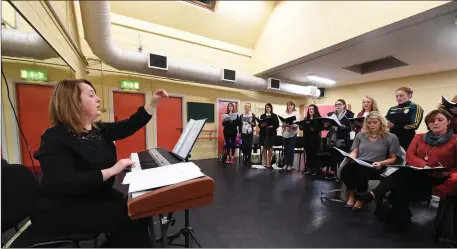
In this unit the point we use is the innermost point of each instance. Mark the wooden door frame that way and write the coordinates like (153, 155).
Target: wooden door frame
(13, 94)
(111, 107)
(217, 116)
(183, 111)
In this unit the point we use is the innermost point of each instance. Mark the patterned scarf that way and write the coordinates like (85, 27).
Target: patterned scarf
(434, 140)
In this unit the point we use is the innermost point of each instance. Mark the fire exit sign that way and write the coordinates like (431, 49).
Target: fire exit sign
(130, 84)
(27, 74)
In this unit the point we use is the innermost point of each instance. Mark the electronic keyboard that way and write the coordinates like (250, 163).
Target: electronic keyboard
(153, 158)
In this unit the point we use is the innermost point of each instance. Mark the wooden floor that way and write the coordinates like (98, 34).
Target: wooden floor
(264, 208)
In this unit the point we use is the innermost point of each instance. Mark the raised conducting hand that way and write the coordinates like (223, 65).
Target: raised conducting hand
(389, 124)
(157, 96)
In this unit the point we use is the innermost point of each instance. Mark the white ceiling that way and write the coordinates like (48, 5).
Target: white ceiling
(427, 47)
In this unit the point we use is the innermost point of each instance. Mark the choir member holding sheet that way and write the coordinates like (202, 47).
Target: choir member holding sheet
(312, 136)
(268, 124)
(435, 154)
(230, 121)
(374, 145)
(404, 118)
(289, 134)
(247, 126)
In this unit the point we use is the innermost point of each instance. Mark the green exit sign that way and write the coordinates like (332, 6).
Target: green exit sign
(130, 84)
(27, 74)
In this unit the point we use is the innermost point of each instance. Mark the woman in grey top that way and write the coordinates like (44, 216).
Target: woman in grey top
(375, 145)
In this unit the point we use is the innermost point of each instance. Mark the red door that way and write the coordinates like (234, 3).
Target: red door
(33, 116)
(125, 104)
(169, 122)
(222, 109)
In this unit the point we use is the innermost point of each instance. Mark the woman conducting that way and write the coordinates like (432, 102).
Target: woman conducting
(78, 159)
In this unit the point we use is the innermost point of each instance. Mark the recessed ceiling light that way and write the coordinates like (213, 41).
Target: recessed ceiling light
(320, 79)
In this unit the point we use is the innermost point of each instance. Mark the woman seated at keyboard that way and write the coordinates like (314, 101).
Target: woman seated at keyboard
(78, 159)
(436, 148)
(374, 145)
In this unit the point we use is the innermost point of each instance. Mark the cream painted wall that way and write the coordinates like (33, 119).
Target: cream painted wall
(427, 92)
(66, 12)
(298, 28)
(193, 93)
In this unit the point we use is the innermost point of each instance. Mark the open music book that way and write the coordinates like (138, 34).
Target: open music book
(188, 137)
(357, 121)
(417, 168)
(448, 105)
(332, 120)
(231, 116)
(358, 161)
(290, 120)
(268, 121)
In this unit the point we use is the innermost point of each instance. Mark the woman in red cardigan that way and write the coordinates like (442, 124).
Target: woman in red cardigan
(436, 148)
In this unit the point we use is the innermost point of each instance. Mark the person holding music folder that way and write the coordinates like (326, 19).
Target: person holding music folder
(312, 136)
(452, 109)
(404, 118)
(78, 160)
(374, 145)
(436, 153)
(268, 124)
(247, 126)
(230, 131)
(368, 105)
(289, 134)
(338, 136)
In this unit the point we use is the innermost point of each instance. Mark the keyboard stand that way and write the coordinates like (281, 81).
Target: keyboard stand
(187, 231)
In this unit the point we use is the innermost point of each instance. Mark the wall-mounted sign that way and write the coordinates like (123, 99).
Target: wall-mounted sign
(130, 84)
(27, 74)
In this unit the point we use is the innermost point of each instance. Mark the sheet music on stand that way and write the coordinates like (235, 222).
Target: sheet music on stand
(188, 137)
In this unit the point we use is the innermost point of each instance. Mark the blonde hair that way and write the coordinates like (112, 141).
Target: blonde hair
(65, 104)
(374, 104)
(291, 102)
(383, 130)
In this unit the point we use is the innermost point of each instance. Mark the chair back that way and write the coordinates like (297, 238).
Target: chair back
(20, 191)
(300, 142)
(278, 141)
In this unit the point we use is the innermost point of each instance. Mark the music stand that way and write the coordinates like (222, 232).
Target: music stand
(165, 222)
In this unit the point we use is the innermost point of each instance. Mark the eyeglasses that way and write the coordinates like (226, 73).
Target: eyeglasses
(338, 104)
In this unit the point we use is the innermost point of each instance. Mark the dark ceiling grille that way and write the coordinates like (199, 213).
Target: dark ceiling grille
(382, 64)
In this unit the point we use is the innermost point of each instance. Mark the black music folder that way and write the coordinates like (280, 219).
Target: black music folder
(418, 168)
(332, 120)
(357, 121)
(310, 124)
(288, 121)
(448, 105)
(268, 121)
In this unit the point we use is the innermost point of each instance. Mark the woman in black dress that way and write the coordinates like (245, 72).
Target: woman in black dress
(78, 159)
(268, 133)
(312, 132)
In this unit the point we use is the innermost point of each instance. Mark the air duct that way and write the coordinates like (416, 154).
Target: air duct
(96, 19)
(16, 43)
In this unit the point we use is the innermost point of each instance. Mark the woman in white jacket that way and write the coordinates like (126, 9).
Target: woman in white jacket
(289, 135)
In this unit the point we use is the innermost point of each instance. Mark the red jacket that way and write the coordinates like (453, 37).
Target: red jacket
(446, 154)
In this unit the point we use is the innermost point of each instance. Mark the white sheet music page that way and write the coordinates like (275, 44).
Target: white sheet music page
(189, 142)
(163, 176)
(183, 136)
